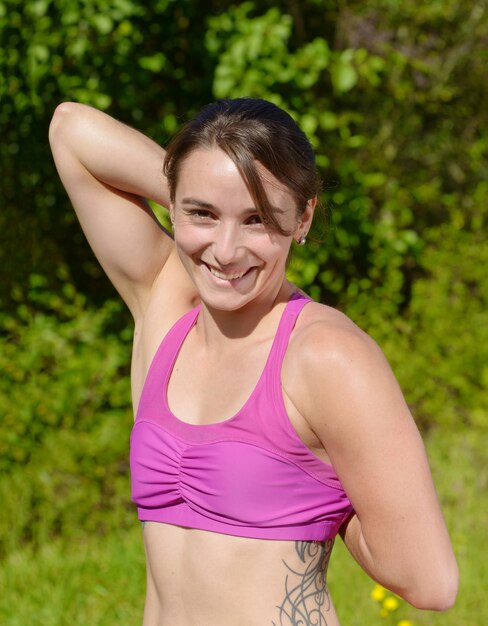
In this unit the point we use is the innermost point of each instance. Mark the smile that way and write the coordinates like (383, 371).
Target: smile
(227, 275)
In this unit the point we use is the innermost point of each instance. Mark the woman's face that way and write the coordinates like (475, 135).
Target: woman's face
(231, 256)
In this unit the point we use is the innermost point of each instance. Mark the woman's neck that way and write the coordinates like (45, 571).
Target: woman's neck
(217, 327)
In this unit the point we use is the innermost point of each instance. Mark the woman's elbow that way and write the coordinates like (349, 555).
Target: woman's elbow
(439, 594)
(60, 114)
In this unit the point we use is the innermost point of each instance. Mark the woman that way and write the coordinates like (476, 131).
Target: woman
(265, 423)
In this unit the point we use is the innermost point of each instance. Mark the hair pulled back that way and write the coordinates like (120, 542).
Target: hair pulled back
(250, 130)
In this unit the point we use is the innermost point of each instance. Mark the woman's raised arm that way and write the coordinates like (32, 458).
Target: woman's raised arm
(108, 169)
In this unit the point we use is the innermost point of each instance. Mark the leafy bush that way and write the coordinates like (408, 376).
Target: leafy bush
(65, 406)
(444, 360)
(438, 346)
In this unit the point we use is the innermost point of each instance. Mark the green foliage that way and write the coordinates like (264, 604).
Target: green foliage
(253, 54)
(440, 348)
(64, 401)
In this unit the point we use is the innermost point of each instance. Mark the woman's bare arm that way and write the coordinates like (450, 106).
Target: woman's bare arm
(108, 169)
(355, 406)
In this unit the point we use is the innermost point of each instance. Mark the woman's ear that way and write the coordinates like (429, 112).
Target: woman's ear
(172, 213)
(305, 220)
(307, 216)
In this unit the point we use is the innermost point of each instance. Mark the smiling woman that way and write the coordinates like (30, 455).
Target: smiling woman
(231, 255)
(265, 422)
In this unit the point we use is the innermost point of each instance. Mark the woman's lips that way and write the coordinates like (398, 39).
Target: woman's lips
(234, 275)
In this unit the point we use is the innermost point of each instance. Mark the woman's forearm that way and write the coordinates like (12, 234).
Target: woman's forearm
(427, 581)
(112, 152)
(109, 170)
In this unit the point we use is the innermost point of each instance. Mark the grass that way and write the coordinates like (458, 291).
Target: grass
(100, 581)
(94, 581)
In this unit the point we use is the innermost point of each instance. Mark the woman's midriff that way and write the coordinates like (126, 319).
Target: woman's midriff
(199, 578)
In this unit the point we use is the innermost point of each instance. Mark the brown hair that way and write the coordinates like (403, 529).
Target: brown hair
(250, 130)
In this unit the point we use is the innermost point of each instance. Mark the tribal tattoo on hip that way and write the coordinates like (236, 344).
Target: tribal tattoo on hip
(307, 600)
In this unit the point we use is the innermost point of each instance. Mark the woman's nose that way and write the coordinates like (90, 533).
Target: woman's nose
(226, 244)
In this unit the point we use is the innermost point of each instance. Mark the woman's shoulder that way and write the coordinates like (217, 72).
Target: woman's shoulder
(329, 354)
(333, 363)
(323, 332)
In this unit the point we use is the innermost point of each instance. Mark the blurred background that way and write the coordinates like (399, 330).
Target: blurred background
(391, 95)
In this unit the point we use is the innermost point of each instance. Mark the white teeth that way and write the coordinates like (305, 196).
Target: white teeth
(223, 276)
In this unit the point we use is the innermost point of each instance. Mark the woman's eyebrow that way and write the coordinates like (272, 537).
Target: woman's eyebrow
(196, 202)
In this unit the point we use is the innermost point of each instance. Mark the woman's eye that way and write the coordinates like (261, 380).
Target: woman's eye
(254, 219)
(201, 214)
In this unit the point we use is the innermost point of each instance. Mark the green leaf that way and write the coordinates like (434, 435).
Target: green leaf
(154, 63)
(344, 77)
(99, 100)
(102, 23)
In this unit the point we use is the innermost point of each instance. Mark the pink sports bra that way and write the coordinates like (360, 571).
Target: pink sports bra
(250, 475)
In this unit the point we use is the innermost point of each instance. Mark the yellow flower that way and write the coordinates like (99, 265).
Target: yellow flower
(390, 603)
(405, 622)
(378, 593)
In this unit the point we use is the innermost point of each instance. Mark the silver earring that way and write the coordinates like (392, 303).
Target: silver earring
(302, 240)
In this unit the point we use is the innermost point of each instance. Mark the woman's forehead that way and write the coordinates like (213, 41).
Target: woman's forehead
(213, 171)
(211, 161)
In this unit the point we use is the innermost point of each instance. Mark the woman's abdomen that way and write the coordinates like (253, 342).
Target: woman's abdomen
(200, 578)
